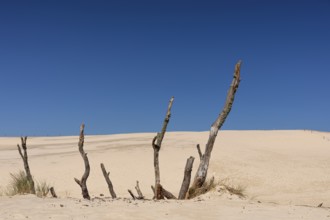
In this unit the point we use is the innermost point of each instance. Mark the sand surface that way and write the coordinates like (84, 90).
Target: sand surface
(285, 174)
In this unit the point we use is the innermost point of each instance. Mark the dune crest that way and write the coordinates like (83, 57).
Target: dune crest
(281, 172)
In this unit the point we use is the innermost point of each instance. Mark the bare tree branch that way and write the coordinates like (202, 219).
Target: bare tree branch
(204, 163)
(132, 194)
(107, 179)
(156, 147)
(83, 182)
(167, 194)
(186, 178)
(199, 152)
(138, 190)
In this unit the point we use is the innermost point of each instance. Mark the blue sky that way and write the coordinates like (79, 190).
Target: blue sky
(115, 64)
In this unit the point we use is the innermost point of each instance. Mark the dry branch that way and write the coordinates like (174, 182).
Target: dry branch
(156, 147)
(165, 193)
(26, 164)
(186, 178)
(138, 190)
(132, 194)
(83, 181)
(204, 163)
(107, 179)
(199, 152)
(52, 191)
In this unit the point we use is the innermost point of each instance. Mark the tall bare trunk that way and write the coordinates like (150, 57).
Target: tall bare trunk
(156, 146)
(83, 182)
(205, 159)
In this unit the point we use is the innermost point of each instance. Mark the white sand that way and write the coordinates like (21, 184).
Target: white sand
(286, 174)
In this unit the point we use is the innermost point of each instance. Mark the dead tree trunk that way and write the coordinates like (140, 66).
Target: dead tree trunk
(26, 164)
(156, 147)
(107, 179)
(186, 178)
(82, 182)
(205, 159)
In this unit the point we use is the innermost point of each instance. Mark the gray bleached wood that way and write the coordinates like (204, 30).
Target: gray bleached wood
(201, 173)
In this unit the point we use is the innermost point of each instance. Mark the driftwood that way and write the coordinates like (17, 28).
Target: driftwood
(132, 194)
(186, 178)
(52, 191)
(26, 164)
(82, 182)
(156, 144)
(199, 152)
(107, 179)
(205, 158)
(165, 193)
(137, 188)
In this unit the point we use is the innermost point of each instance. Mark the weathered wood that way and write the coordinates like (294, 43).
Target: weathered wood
(167, 194)
(164, 192)
(204, 163)
(26, 164)
(83, 181)
(156, 146)
(132, 194)
(52, 191)
(199, 152)
(138, 190)
(186, 178)
(107, 179)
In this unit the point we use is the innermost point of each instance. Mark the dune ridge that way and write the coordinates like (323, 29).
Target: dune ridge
(285, 175)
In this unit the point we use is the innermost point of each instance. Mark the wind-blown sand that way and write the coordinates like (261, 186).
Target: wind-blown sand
(286, 175)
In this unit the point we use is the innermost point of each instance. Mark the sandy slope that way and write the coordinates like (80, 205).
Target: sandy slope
(285, 173)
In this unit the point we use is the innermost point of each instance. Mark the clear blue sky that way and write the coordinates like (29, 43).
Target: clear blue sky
(115, 64)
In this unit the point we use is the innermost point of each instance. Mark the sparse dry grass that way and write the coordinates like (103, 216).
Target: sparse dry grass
(42, 189)
(207, 186)
(19, 185)
(225, 184)
(232, 188)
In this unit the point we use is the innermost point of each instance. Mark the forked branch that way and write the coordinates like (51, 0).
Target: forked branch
(26, 164)
(156, 144)
(204, 163)
(83, 181)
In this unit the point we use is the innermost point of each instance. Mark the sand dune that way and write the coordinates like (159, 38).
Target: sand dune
(285, 175)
